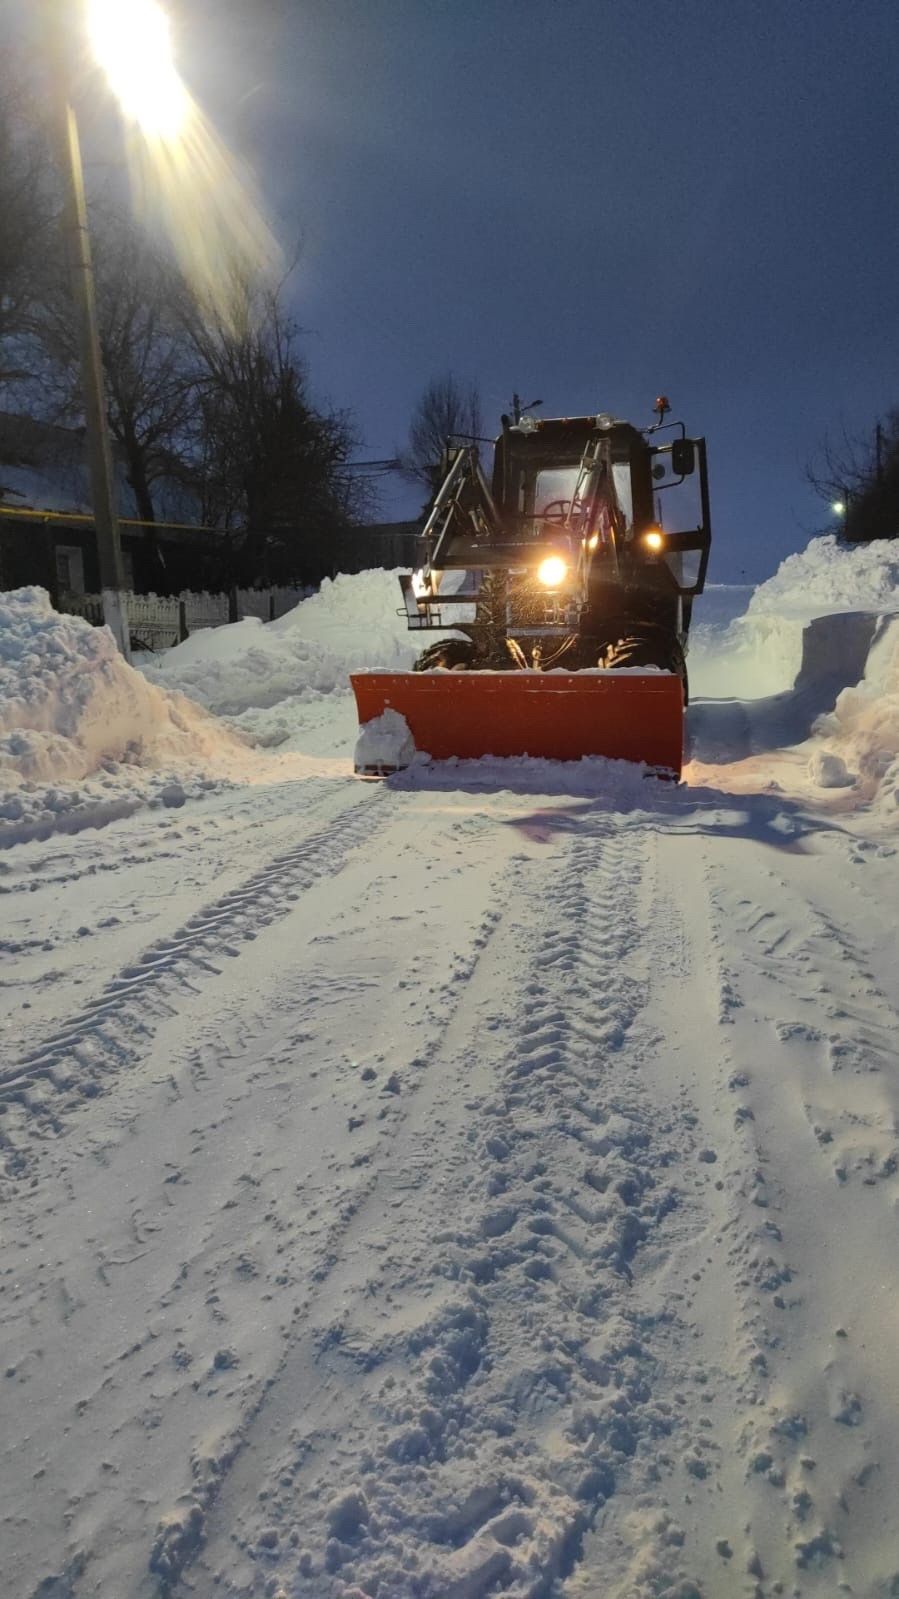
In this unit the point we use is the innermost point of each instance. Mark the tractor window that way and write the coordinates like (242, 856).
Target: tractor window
(685, 564)
(553, 490)
(621, 476)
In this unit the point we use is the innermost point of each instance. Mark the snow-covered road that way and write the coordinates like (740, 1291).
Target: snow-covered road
(451, 1191)
(480, 1183)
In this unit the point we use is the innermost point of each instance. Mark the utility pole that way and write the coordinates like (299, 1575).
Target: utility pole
(518, 410)
(81, 273)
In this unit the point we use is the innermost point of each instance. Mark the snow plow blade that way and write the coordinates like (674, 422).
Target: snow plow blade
(558, 716)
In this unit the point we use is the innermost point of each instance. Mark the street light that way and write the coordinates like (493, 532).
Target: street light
(131, 41)
(838, 507)
(57, 16)
(181, 173)
(219, 234)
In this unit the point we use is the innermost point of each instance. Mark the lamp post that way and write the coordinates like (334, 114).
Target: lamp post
(130, 41)
(81, 275)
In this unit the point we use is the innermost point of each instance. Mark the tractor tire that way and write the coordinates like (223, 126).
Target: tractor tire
(448, 655)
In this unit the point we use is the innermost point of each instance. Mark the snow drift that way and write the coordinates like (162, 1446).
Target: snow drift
(306, 655)
(861, 733)
(72, 709)
(830, 576)
(763, 651)
(812, 664)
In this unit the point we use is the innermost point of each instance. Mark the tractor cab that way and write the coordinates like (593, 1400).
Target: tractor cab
(574, 513)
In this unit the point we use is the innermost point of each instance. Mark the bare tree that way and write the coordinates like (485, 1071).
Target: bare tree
(272, 465)
(860, 473)
(149, 382)
(150, 379)
(27, 233)
(207, 405)
(841, 466)
(446, 410)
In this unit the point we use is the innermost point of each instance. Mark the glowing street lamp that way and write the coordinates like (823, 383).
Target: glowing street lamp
(186, 179)
(219, 235)
(131, 41)
(60, 48)
(839, 507)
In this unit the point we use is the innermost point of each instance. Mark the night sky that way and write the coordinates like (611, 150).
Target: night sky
(586, 202)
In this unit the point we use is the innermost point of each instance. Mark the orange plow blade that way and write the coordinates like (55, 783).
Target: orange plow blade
(559, 716)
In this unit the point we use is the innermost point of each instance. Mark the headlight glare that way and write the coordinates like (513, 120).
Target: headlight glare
(552, 572)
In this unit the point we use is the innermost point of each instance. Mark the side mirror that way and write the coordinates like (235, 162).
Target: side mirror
(683, 457)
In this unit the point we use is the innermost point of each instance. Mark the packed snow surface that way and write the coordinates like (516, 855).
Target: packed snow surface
(477, 1185)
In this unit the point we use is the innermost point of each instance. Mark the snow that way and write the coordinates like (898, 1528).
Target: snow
(830, 576)
(350, 624)
(384, 744)
(761, 650)
(862, 730)
(84, 736)
(482, 1182)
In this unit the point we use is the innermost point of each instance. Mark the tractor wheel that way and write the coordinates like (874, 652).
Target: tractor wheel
(449, 654)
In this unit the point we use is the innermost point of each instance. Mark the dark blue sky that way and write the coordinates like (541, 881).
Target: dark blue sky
(590, 202)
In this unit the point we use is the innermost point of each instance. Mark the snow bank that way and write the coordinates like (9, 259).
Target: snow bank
(761, 652)
(861, 734)
(351, 623)
(829, 576)
(72, 710)
(720, 604)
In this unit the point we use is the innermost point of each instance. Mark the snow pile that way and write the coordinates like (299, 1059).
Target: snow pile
(861, 734)
(718, 605)
(829, 771)
(829, 576)
(250, 666)
(384, 744)
(761, 653)
(71, 709)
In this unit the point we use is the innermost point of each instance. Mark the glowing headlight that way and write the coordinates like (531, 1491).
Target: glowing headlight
(552, 571)
(653, 540)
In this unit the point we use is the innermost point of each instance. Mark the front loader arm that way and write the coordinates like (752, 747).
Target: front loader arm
(463, 514)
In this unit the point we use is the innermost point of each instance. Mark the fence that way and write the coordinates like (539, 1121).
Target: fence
(157, 621)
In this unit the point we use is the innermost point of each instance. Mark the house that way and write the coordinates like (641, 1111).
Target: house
(47, 531)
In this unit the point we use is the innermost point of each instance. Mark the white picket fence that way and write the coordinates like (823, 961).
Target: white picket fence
(157, 621)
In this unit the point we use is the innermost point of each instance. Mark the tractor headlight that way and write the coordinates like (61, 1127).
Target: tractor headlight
(654, 540)
(552, 572)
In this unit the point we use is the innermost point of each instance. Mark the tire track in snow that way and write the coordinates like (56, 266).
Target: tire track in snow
(220, 1478)
(112, 1033)
(216, 1209)
(464, 1422)
(64, 860)
(809, 1040)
